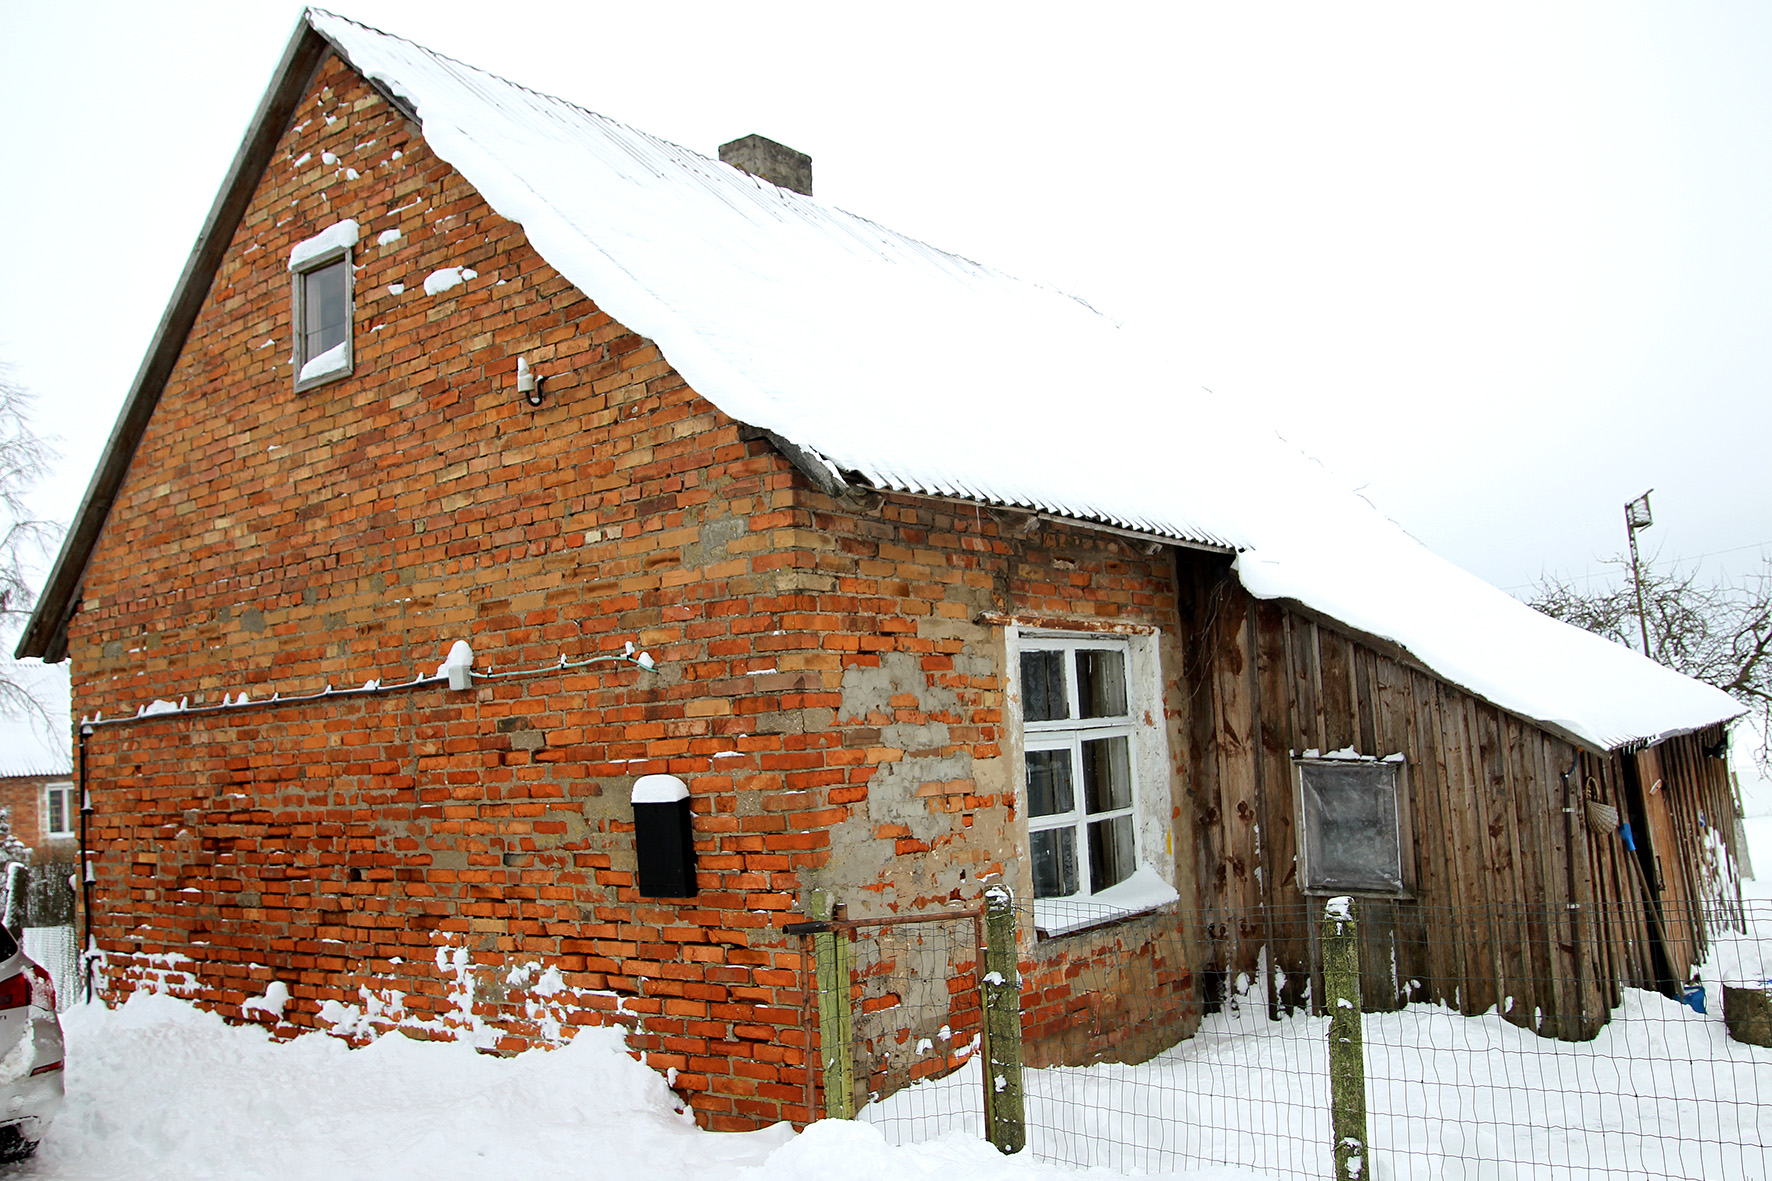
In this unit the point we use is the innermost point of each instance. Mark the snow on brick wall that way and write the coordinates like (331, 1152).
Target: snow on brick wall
(823, 682)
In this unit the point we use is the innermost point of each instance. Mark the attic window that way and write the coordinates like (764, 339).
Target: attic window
(1354, 826)
(320, 305)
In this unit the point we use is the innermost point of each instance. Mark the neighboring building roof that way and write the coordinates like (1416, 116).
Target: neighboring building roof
(34, 745)
(887, 363)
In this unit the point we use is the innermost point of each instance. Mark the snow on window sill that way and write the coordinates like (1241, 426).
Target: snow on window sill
(1143, 891)
(335, 360)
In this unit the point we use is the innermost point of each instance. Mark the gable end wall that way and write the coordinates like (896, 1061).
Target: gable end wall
(461, 864)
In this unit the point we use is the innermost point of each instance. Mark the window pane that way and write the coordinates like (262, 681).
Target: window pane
(57, 801)
(1055, 862)
(1042, 687)
(1350, 827)
(1101, 682)
(323, 309)
(1049, 783)
(1107, 780)
(1110, 853)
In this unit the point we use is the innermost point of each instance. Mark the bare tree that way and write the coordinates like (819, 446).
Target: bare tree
(25, 539)
(1719, 632)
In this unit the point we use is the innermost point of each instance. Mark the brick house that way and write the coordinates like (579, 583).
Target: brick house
(36, 767)
(925, 604)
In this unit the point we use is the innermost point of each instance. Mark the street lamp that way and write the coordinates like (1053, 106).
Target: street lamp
(1637, 516)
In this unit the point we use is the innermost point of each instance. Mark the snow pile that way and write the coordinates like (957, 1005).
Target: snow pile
(458, 662)
(339, 235)
(334, 360)
(437, 282)
(784, 312)
(157, 1089)
(270, 1003)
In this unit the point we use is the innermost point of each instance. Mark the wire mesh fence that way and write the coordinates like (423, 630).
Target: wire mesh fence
(1496, 1067)
(57, 949)
(899, 1004)
(919, 1017)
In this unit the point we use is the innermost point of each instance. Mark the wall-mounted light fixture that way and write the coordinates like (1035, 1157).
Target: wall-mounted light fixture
(528, 384)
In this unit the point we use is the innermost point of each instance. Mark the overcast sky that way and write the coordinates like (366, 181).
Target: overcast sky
(1503, 268)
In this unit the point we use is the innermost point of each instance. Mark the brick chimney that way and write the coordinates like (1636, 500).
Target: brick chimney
(776, 163)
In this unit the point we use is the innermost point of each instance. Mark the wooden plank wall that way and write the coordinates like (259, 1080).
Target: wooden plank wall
(1498, 858)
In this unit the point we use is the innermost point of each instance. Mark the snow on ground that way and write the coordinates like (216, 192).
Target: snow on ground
(157, 1089)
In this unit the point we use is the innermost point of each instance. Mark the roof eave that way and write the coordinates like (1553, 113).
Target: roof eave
(46, 632)
(1555, 728)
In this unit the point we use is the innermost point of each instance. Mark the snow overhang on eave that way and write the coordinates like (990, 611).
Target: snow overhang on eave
(1563, 728)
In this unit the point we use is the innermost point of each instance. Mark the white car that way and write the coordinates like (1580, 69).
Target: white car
(30, 1051)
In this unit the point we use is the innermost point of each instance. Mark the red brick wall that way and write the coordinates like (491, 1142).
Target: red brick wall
(23, 796)
(825, 683)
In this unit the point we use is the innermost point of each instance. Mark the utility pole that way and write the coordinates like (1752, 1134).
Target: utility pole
(1636, 516)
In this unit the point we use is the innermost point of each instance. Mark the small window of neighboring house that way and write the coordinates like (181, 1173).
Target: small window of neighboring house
(59, 801)
(321, 305)
(1087, 739)
(1354, 827)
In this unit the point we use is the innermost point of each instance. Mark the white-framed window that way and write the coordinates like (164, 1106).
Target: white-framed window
(1093, 777)
(58, 810)
(321, 305)
(1353, 824)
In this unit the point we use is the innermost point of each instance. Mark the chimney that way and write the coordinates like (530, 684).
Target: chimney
(776, 163)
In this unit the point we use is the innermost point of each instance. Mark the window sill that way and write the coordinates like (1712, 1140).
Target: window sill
(330, 365)
(1144, 891)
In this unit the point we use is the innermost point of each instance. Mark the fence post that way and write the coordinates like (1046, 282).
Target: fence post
(1005, 1119)
(836, 1029)
(1347, 1064)
(18, 900)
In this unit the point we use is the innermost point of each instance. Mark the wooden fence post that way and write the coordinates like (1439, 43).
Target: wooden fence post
(1347, 1064)
(836, 1028)
(1005, 1119)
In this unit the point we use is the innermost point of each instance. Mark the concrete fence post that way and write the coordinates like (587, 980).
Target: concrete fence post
(1347, 1064)
(18, 900)
(1005, 1118)
(836, 1023)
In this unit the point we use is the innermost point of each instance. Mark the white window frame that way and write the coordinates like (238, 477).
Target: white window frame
(1150, 884)
(68, 810)
(331, 246)
(1313, 878)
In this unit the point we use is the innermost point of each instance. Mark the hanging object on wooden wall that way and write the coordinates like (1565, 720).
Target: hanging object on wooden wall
(1601, 817)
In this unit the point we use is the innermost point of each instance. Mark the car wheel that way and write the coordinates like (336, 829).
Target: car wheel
(14, 1147)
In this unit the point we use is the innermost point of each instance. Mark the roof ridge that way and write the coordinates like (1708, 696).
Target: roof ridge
(788, 195)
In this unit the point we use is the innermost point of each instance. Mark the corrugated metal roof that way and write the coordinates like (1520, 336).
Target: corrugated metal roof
(922, 371)
(887, 360)
(32, 745)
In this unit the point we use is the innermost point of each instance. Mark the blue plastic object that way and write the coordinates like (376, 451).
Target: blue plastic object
(1693, 995)
(1629, 841)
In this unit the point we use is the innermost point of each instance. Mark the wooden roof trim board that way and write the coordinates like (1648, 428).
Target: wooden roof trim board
(46, 633)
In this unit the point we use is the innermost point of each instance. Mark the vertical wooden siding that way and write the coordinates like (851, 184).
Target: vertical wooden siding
(1517, 903)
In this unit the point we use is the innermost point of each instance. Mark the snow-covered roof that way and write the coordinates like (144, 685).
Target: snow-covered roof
(917, 370)
(31, 744)
(890, 363)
